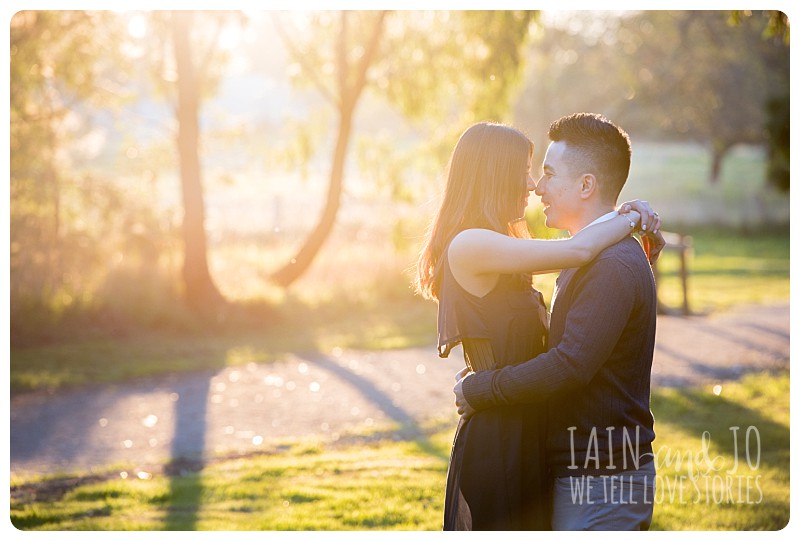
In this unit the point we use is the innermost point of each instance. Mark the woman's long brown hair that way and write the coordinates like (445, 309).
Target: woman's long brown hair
(486, 186)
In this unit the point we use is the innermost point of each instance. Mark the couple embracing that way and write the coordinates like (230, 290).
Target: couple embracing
(555, 429)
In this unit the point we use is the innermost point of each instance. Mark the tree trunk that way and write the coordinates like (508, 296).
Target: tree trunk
(290, 272)
(52, 235)
(719, 149)
(199, 289)
(349, 92)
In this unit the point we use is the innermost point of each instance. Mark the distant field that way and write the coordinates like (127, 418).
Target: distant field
(674, 178)
(376, 240)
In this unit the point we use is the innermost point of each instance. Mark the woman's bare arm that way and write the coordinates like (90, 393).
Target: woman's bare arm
(481, 251)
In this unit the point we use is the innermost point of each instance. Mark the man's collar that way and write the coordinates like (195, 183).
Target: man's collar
(603, 218)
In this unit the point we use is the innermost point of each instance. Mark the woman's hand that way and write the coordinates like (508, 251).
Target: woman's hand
(653, 243)
(461, 373)
(650, 226)
(650, 221)
(464, 409)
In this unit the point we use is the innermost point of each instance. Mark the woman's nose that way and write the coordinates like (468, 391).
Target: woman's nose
(531, 184)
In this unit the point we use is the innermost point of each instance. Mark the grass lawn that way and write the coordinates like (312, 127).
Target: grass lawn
(727, 268)
(721, 482)
(378, 483)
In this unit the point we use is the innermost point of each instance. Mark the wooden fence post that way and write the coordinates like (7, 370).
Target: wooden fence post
(683, 245)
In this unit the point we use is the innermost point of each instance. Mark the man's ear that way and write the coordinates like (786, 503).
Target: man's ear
(588, 185)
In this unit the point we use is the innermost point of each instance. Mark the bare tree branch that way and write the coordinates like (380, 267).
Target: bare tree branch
(370, 51)
(202, 68)
(298, 57)
(341, 61)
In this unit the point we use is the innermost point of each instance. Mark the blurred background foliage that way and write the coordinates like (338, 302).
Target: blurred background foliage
(275, 171)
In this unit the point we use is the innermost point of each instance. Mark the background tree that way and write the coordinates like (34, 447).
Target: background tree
(423, 62)
(192, 75)
(778, 148)
(62, 65)
(185, 78)
(706, 79)
(777, 108)
(573, 66)
(668, 75)
(72, 222)
(356, 43)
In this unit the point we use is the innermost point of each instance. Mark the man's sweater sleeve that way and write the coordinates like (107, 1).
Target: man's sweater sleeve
(603, 298)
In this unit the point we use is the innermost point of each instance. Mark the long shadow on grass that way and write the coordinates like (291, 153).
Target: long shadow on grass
(769, 330)
(186, 464)
(409, 428)
(696, 411)
(693, 369)
(696, 368)
(717, 331)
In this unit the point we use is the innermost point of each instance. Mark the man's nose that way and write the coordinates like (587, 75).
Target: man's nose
(540, 186)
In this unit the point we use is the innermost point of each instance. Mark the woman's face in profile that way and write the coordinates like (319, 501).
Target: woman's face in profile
(530, 185)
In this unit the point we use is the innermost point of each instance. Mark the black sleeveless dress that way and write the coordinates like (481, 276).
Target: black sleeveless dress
(497, 478)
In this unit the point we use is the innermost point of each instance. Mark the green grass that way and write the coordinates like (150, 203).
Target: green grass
(377, 483)
(727, 268)
(726, 494)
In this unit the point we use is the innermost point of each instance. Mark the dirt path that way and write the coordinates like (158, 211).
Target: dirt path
(244, 409)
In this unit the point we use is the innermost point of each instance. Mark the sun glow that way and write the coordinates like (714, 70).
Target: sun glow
(137, 26)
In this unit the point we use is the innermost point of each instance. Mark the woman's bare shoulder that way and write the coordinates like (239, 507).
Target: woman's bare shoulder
(470, 238)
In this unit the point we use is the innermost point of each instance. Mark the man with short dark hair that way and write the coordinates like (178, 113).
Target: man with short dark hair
(595, 379)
